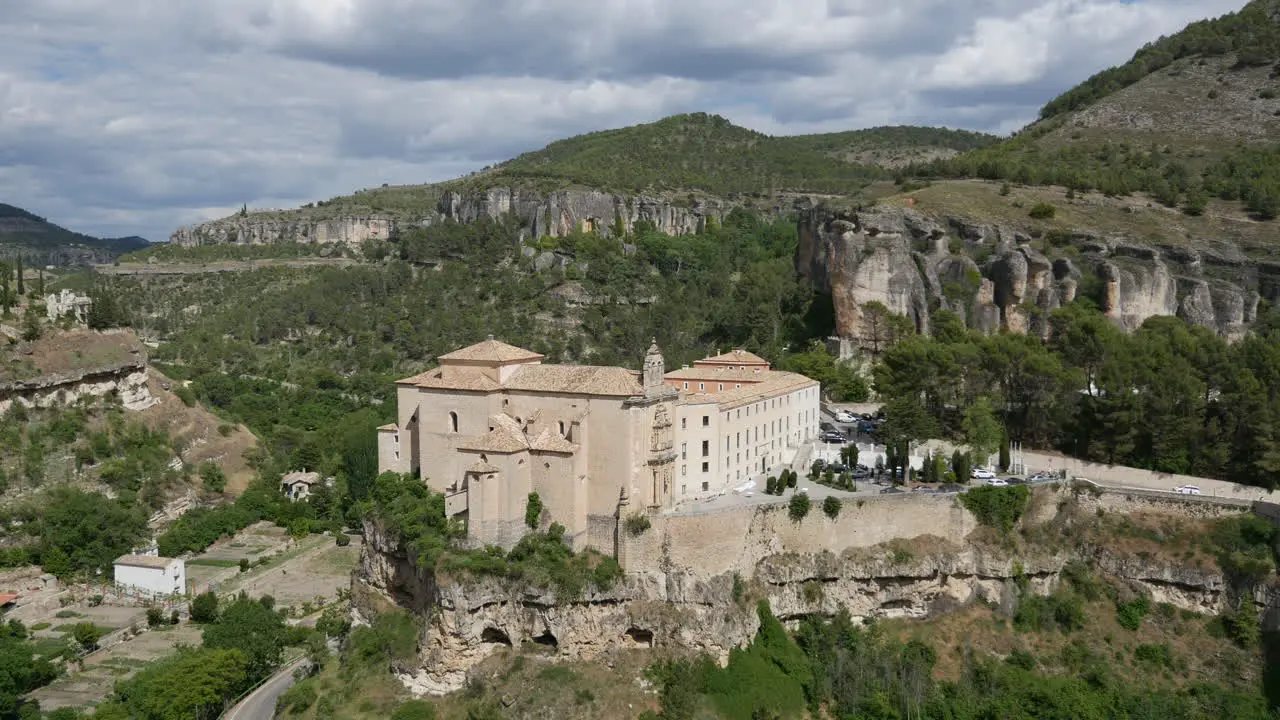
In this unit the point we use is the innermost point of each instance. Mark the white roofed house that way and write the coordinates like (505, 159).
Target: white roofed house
(298, 485)
(151, 574)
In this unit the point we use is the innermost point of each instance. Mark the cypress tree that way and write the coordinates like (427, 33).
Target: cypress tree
(22, 290)
(1004, 453)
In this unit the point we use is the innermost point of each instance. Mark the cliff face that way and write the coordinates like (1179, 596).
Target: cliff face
(680, 606)
(556, 214)
(915, 264)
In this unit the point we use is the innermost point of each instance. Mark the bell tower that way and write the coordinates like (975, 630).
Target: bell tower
(655, 370)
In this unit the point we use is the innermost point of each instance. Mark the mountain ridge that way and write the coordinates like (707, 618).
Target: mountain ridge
(34, 238)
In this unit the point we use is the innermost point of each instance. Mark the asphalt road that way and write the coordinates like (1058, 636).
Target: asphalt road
(261, 703)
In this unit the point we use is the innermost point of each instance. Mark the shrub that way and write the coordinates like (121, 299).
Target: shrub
(1043, 211)
(204, 608)
(155, 616)
(244, 564)
(637, 523)
(184, 394)
(1130, 614)
(997, 507)
(1157, 655)
(212, 477)
(799, 506)
(1242, 626)
(298, 699)
(831, 506)
(174, 617)
(771, 483)
(86, 635)
(1004, 189)
(342, 539)
(533, 511)
(791, 480)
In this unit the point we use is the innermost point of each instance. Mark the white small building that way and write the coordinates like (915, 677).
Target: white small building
(151, 574)
(297, 485)
(67, 302)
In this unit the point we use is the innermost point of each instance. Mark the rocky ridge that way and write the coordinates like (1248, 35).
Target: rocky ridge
(556, 214)
(469, 619)
(1000, 278)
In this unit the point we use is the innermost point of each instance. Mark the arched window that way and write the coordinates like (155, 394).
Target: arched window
(453, 421)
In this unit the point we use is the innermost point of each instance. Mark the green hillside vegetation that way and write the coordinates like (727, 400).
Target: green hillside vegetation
(707, 153)
(681, 154)
(19, 227)
(1207, 113)
(1252, 35)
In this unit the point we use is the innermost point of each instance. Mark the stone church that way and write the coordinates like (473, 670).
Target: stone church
(493, 424)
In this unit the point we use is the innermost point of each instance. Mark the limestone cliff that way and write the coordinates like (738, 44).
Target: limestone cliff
(999, 278)
(676, 601)
(557, 214)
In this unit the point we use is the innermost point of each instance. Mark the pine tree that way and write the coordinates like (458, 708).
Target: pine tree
(22, 290)
(40, 282)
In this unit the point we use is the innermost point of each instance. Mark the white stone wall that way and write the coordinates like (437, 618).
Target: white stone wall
(170, 580)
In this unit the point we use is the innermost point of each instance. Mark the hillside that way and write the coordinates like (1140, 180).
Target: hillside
(1192, 116)
(679, 159)
(37, 240)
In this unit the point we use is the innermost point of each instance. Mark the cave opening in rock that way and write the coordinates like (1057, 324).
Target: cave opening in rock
(546, 639)
(495, 636)
(640, 636)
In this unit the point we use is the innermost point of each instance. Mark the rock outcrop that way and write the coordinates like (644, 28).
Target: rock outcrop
(556, 214)
(915, 264)
(127, 380)
(681, 607)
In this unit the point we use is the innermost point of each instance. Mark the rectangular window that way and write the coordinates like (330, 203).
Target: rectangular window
(702, 386)
(684, 470)
(684, 423)
(737, 442)
(706, 421)
(706, 448)
(706, 467)
(684, 489)
(684, 451)
(706, 486)
(726, 443)
(686, 385)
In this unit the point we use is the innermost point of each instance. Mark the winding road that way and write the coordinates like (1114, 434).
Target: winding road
(261, 703)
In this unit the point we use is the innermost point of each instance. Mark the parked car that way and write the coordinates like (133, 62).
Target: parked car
(1041, 477)
(867, 428)
(846, 417)
(1015, 481)
(892, 491)
(837, 468)
(824, 426)
(833, 436)
(861, 472)
(981, 474)
(997, 482)
(1187, 490)
(950, 488)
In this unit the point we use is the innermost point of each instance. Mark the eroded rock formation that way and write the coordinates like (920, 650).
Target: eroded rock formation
(670, 604)
(557, 214)
(916, 264)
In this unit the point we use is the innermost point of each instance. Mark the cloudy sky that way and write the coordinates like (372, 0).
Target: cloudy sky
(122, 117)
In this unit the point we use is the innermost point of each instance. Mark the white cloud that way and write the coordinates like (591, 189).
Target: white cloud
(122, 118)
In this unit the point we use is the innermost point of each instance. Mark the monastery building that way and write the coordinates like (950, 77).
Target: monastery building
(493, 424)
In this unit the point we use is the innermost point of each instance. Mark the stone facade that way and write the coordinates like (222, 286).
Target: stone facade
(738, 419)
(493, 424)
(68, 303)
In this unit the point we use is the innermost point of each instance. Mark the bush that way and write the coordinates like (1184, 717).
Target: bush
(244, 564)
(799, 506)
(342, 539)
(174, 617)
(1043, 211)
(533, 511)
(1130, 614)
(184, 394)
(771, 483)
(997, 507)
(155, 616)
(831, 506)
(637, 523)
(212, 477)
(86, 635)
(1156, 655)
(791, 480)
(297, 699)
(1061, 610)
(204, 608)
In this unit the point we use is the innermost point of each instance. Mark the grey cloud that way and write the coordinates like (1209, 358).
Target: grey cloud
(123, 118)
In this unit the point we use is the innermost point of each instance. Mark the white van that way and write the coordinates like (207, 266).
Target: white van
(1187, 490)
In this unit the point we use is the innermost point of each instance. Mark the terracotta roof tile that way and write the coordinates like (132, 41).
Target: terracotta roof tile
(577, 379)
(720, 374)
(483, 468)
(735, 356)
(777, 383)
(506, 437)
(491, 350)
(458, 378)
(548, 441)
